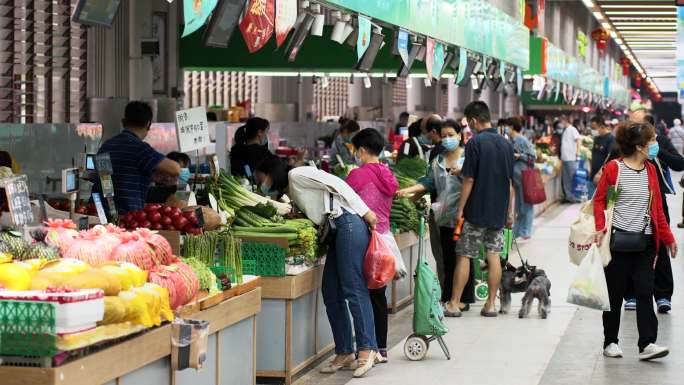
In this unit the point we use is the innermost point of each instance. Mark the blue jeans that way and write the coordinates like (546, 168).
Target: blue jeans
(569, 168)
(343, 282)
(524, 212)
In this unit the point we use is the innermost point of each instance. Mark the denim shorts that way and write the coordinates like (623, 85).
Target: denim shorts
(472, 237)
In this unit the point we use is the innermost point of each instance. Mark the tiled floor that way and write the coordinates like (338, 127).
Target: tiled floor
(565, 349)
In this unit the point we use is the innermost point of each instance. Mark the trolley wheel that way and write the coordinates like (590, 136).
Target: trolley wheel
(416, 347)
(482, 291)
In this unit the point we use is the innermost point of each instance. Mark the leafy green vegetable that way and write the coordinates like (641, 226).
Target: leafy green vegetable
(207, 279)
(413, 168)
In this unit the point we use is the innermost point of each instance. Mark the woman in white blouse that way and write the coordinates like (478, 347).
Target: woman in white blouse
(321, 196)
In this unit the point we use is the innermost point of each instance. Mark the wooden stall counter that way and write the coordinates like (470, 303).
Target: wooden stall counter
(145, 359)
(293, 328)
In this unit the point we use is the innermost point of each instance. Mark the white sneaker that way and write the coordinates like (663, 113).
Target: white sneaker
(612, 351)
(653, 351)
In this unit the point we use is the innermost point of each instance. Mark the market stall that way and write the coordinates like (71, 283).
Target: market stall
(146, 358)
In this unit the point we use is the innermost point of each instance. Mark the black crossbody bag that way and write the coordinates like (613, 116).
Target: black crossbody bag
(328, 230)
(632, 241)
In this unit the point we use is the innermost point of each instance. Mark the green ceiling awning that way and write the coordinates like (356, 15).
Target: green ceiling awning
(318, 54)
(472, 24)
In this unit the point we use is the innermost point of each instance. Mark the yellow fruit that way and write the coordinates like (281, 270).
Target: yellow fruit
(66, 265)
(115, 311)
(125, 279)
(95, 279)
(14, 277)
(42, 280)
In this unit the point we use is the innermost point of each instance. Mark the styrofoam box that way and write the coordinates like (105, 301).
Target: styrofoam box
(74, 312)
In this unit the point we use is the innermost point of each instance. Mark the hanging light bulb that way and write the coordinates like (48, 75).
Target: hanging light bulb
(319, 20)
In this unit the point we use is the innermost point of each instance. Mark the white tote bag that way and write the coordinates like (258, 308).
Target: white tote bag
(583, 231)
(589, 287)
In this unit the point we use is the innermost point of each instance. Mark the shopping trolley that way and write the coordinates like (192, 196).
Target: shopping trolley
(480, 266)
(428, 316)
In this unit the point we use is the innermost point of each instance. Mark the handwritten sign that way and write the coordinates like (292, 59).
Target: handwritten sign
(192, 129)
(16, 188)
(103, 165)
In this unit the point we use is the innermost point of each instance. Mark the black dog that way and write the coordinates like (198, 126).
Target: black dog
(530, 280)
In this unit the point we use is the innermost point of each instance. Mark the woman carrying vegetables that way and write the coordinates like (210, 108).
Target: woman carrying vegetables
(376, 185)
(313, 191)
(443, 180)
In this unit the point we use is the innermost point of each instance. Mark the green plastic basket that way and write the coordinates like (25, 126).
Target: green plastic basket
(220, 270)
(27, 329)
(263, 259)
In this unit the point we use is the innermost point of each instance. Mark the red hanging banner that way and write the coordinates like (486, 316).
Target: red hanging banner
(257, 24)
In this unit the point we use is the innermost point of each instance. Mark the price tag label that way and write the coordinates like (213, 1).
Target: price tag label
(407, 148)
(200, 216)
(192, 129)
(103, 165)
(100, 209)
(83, 223)
(16, 189)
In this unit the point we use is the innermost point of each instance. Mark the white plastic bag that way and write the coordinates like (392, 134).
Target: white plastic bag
(589, 288)
(446, 205)
(390, 242)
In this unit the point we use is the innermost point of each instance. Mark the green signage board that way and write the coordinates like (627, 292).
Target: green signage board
(575, 72)
(473, 24)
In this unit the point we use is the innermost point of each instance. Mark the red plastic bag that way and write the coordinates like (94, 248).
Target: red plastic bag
(533, 186)
(379, 266)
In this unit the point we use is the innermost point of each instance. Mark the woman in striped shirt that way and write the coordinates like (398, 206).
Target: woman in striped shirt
(632, 184)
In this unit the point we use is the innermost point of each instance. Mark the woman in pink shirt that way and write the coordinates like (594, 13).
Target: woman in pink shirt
(376, 185)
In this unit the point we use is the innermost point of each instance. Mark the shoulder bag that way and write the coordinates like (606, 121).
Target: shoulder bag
(328, 230)
(632, 241)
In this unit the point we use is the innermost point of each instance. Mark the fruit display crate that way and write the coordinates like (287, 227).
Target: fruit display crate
(27, 328)
(263, 259)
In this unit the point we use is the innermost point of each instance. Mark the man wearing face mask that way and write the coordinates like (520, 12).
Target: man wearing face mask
(431, 128)
(250, 148)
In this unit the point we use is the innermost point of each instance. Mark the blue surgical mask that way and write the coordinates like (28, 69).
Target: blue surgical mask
(653, 150)
(450, 144)
(264, 141)
(424, 140)
(266, 190)
(184, 175)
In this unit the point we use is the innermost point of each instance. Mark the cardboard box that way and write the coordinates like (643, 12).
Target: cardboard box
(174, 238)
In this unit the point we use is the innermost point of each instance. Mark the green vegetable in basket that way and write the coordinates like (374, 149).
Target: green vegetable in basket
(207, 279)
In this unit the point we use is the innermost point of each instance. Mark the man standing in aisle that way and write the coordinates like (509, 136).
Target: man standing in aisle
(485, 206)
(570, 146)
(134, 161)
(431, 128)
(601, 152)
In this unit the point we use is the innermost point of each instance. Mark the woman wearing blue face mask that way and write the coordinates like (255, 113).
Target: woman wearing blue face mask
(639, 230)
(443, 180)
(165, 185)
(341, 147)
(250, 148)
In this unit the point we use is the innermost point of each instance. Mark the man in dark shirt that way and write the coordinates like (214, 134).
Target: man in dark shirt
(431, 129)
(604, 143)
(134, 161)
(485, 205)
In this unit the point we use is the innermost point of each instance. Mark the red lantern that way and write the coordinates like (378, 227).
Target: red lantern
(626, 64)
(600, 36)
